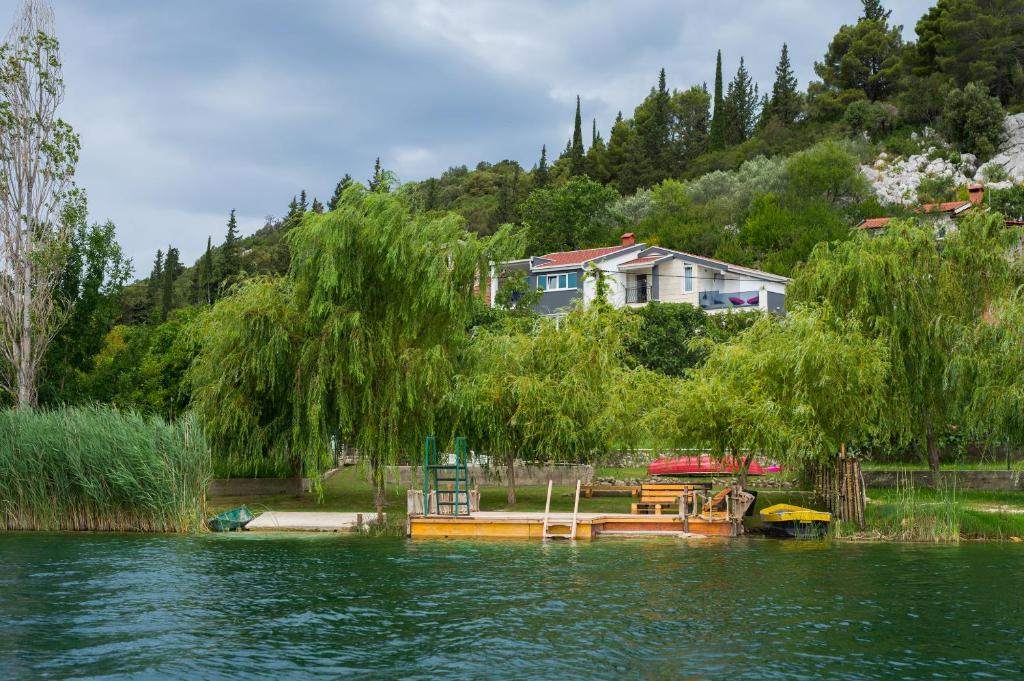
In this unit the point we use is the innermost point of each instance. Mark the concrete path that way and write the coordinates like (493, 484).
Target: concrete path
(309, 521)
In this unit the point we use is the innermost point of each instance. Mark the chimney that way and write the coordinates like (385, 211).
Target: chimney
(628, 239)
(976, 193)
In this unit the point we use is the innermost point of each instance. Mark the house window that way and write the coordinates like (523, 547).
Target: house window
(558, 282)
(688, 279)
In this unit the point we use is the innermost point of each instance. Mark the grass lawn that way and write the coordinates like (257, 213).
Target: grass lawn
(966, 466)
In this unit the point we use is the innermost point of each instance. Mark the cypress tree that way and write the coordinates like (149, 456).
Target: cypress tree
(716, 138)
(541, 176)
(577, 162)
(317, 206)
(303, 204)
(784, 105)
(156, 278)
(229, 265)
(172, 269)
(207, 277)
(343, 184)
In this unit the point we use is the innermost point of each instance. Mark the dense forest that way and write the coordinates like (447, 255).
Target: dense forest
(757, 176)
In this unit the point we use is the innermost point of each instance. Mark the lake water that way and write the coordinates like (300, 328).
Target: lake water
(334, 606)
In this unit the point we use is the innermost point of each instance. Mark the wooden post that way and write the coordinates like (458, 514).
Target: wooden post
(575, 510)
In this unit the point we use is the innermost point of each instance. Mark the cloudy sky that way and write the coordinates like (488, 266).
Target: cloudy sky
(188, 109)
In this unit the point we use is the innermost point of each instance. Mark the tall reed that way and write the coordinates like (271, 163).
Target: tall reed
(95, 468)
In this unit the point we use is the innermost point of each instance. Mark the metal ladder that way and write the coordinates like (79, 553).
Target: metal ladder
(448, 501)
(546, 530)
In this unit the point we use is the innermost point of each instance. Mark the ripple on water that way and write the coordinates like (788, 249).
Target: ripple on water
(317, 606)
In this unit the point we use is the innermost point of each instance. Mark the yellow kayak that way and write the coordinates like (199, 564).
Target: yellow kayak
(796, 521)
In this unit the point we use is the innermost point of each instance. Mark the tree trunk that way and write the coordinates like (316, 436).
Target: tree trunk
(933, 452)
(297, 475)
(377, 471)
(510, 475)
(26, 373)
(744, 467)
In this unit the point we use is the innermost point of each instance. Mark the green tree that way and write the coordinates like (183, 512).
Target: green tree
(974, 41)
(598, 167)
(207, 275)
(865, 56)
(155, 281)
(973, 120)
(339, 189)
(570, 217)
(717, 134)
(365, 369)
(825, 172)
(667, 340)
(377, 182)
(987, 369)
(243, 380)
(230, 263)
(740, 107)
(784, 105)
(543, 393)
(540, 172)
(577, 158)
(317, 207)
(908, 291)
(689, 118)
(625, 156)
(172, 270)
(38, 154)
(91, 283)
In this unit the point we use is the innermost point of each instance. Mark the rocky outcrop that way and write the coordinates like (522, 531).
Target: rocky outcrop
(1011, 153)
(896, 180)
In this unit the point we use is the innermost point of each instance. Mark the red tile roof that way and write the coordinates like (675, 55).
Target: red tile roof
(641, 261)
(577, 257)
(947, 207)
(874, 223)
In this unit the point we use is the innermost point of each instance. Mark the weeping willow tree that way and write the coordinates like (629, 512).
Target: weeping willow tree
(545, 392)
(919, 297)
(244, 378)
(355, 345)
(988, 371)
(794, 389)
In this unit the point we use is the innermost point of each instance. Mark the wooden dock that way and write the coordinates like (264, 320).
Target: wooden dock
(310, 521)
(525, 525)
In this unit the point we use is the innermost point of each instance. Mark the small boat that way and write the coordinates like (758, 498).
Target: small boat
(230, 521)
(796, 521)
(703, 464)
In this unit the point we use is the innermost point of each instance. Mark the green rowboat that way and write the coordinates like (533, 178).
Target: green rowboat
(229, 521)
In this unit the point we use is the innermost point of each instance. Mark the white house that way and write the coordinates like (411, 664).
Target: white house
(638, 274)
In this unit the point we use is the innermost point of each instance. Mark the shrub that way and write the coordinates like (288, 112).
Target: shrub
(935, 189)
(973, 120)
(94, 468)
(873, 118)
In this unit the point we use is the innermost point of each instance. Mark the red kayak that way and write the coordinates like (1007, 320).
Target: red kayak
(700, 465)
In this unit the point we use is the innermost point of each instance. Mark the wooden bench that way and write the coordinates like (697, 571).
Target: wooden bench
(610, 491)
(658, 497)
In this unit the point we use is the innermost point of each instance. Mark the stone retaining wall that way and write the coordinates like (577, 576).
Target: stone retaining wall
(254, 487)
(989, 481)
(408, 476)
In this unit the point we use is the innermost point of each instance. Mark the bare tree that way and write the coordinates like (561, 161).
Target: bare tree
(38, 153)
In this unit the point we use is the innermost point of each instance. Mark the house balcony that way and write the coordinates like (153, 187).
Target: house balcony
(639, 294)
(740, 300)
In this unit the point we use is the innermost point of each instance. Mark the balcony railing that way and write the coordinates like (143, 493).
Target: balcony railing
(638, 294)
